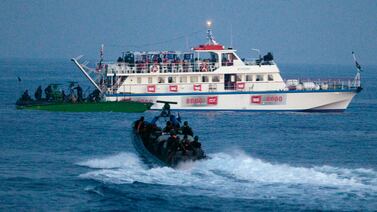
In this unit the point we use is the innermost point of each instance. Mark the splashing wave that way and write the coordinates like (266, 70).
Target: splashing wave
(224, 169)
(241, 176)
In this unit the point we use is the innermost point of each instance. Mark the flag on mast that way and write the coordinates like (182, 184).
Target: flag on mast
(358, 66)
(357, 77)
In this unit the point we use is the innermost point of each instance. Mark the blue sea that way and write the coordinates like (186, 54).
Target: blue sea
(55, 161)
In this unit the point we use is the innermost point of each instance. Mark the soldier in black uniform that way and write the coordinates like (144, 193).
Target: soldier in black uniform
(79, 93)
(25, 96)
(186, 129)
(48, 92)
(173, 144)
(169, 126)
(196, 143)
(38, 93)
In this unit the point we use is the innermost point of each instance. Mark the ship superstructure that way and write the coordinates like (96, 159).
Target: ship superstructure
(212, 77)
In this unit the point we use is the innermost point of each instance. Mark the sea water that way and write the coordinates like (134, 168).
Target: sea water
(258, 160)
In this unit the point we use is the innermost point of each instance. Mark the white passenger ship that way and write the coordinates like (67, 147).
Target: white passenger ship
(212, 77)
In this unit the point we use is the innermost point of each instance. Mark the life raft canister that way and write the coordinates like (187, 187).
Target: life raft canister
(204, 67)
(155, 68)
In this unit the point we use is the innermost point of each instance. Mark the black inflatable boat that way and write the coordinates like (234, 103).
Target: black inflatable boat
(166, 145)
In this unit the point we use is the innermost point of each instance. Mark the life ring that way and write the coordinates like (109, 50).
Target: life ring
(204, 67)
(155, 68)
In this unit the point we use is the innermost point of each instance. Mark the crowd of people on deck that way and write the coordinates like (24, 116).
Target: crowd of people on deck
(181, 138)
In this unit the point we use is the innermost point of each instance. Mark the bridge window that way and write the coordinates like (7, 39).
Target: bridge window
(150, 80)
(249, 77)
(161, 79)
(227, 59)
(239, 77)
(172, 80)
(209, 57)
(270, 77)
(194, 79)
(138, 80)
(183, 79)
(205, 79)
(215, 78)
(259, 78)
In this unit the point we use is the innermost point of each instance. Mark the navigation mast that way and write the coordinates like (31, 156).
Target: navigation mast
(211, 39)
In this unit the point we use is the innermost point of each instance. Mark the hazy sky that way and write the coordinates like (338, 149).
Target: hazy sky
(313, 32)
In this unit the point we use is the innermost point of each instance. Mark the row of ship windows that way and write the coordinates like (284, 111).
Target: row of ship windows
(196, 79)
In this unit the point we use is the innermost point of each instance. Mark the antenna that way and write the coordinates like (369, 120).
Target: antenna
(231, 35)
(101, 51)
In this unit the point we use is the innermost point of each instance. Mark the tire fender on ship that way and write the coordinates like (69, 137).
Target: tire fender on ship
(204, 67)
(155, 68)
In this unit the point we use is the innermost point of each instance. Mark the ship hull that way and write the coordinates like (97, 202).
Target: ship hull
(308, 101)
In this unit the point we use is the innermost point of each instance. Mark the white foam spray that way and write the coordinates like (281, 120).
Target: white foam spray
(238, 175)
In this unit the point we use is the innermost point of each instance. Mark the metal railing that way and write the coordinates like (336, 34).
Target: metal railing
(258, 62)
(134, 68)
(291, 85)
(328, 84)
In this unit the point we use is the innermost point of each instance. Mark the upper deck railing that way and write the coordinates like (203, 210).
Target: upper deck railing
(197, 66)
(135, 68)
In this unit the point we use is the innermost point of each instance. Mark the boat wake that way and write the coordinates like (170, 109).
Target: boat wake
(241, 176)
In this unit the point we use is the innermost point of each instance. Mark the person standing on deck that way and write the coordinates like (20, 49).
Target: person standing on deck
(79, 93)
(38, 93)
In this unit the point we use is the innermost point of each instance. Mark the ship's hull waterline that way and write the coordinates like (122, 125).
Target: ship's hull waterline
(316, 101)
